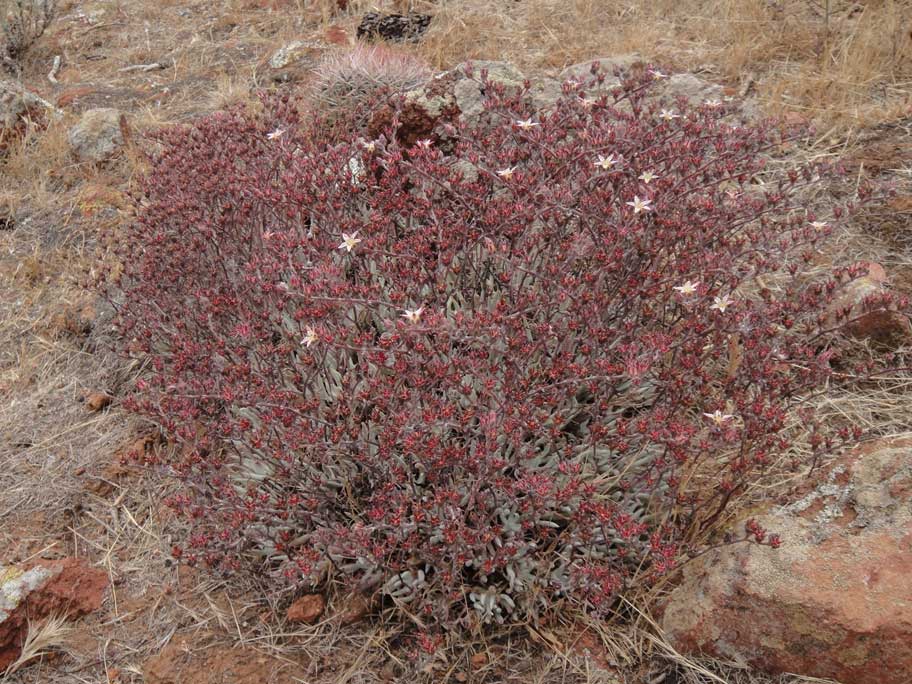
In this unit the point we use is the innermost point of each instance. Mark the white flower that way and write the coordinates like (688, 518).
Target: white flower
(525, 124)
(688, 288)
(656, 74)
(349, 241)
(310, 337)
(647, 177)
(277, 133)
(719, 418)
(714, 104)
(668, 115)
(370, 145)
(606, 163)
(819, 225)
(412, 315)
(425, 143)
(722, 303)
(728, 98)
(640, 205)
(507, 172)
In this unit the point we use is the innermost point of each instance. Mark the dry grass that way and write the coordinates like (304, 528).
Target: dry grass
(854, 69)
(40, 640)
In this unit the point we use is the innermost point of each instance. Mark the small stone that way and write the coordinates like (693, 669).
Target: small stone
(96, 401)
(306, 610)
(98, 135)
(356, 608)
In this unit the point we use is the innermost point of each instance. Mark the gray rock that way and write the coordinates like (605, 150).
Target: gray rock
(469, 92)
(98, 135)
(695, 89)
(545, 93)
(583, 71)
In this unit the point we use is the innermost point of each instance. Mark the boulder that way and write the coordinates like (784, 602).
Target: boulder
(835, 601)
(98, 135)
(469, 91)
(693, 88)
(582, 72)
(68, 587)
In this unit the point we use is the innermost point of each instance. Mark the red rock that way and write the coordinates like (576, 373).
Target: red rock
(835, 601)
(306, 609)
(96, 401)
(479, 660)
(68, 587)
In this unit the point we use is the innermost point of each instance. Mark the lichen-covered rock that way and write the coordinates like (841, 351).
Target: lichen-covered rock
(469, 91)
(294, 61)
(606, 66)
(66, 587)
(98, 135)
(691, 87)
(835, 601)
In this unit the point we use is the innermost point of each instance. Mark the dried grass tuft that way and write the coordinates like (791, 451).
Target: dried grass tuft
(41, 639)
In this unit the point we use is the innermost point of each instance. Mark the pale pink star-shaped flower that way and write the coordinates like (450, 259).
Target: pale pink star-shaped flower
(688, 288)
(413, 315)
(720, 304)
(719, 418)
(349, 241)
(640, 204)
(310, 337)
